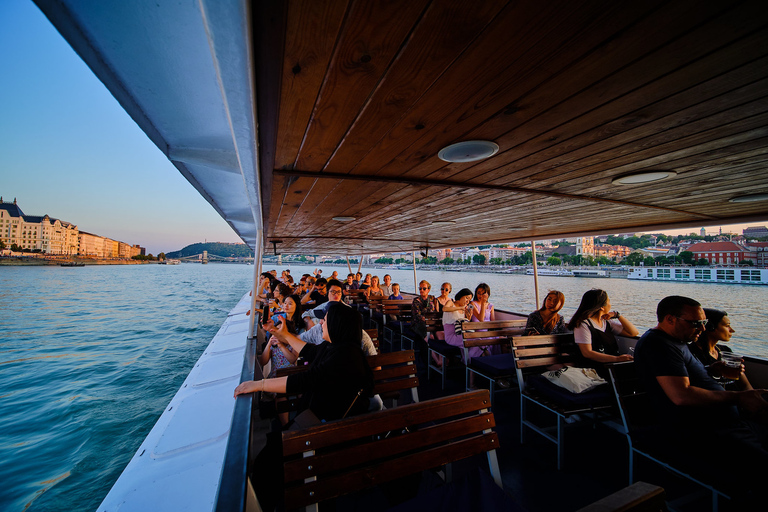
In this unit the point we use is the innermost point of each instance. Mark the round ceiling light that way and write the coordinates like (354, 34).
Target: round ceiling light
(643, 177)
(344, 219)
(443, 222)
(749, 199)
(468, 151)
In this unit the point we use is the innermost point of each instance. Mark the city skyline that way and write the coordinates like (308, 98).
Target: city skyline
(68, 150)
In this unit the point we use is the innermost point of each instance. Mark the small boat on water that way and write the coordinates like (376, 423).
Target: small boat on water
(712, 274)
(71, 264)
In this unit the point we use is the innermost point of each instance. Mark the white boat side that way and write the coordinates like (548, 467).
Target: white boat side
(178, 466)
(721, 275)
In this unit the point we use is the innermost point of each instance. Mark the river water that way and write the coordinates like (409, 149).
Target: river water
(90, 356)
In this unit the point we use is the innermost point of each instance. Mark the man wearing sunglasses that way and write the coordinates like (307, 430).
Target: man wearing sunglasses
(693, 410)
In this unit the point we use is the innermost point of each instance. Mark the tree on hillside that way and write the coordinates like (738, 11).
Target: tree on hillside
(447, 261)
(478, 259)
(554, 261)
(633, 258)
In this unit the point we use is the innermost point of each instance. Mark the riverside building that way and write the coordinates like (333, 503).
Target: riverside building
(55, 236)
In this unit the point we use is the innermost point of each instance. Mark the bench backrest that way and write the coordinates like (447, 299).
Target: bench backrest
(399, 308)
(497, 332)
(355, 296)
(634, 404)
(375, 302)
(392, 372)
(534, 354)
(434, 321)
(374, 335)
(347, 455)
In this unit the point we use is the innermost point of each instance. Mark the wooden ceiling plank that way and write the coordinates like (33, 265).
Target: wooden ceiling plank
(312, 27)
(440, 36)
(291, 199)
(559, 146)
(673, 82)
(587, 74)
(532, 30)
(360, 58)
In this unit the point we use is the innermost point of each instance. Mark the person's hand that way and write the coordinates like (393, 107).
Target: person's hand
(248, 386)
(720, 369)
(624, 357)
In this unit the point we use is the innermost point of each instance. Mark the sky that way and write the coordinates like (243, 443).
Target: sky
(67, 148)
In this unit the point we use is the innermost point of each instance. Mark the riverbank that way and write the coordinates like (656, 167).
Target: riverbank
(17, 261)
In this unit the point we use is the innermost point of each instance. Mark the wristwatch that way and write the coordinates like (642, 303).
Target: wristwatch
(616, 315)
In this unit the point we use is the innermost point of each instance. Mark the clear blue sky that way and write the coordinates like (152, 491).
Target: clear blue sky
(67, 148)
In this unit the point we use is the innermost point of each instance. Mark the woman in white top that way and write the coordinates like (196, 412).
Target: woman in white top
(595, 328)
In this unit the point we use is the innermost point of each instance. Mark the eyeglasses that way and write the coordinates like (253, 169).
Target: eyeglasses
(334, 292)
(695, 323)
(445, 289)
(423, 288)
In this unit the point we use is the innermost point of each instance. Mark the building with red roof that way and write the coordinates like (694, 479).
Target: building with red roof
(722, 253)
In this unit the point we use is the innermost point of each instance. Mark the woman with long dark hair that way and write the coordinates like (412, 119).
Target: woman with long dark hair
(707, 348)
(547, 320)
(595, 328)
(337, 384)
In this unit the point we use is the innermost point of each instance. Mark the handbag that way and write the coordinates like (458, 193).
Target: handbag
(575, 380)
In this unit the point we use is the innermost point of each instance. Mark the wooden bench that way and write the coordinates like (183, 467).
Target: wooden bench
(374, 335)
(497, 333)
(401, 311)
(393, 372)
(536, 354)
(374, 310)
(636, 412)
(344, 456)
(638, 497)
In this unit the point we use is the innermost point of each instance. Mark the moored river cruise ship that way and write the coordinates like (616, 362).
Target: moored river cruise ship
(721, 275)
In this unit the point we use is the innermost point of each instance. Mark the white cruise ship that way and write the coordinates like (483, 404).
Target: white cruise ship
(727, 275)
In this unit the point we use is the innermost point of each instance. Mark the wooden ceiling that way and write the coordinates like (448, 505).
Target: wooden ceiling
(357, 97)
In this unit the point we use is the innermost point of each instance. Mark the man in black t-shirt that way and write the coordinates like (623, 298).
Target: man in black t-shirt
(318, 295)
(697, 416)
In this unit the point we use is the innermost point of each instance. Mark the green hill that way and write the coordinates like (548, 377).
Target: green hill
(214, 249)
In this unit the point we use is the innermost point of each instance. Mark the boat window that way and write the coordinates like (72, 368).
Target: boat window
(725, 275)
(663, 273)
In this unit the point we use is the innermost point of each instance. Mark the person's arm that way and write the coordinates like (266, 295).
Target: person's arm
(680, 392)
(583, 339)
(264, 357)
(307, 295)
(493, 314)
(627, 329)
(276, 385)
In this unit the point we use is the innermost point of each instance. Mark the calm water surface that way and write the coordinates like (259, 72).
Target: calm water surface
(89, 357)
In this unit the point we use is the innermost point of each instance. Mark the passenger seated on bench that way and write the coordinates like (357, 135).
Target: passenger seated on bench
(707, 348)
(453, 311)
(386, 286)
(350, 283)
(595, 327)
(395, 292)
(338, 383)
(314, 335)
(482, 310)
(698, 417)
(423, 304)
(375, 290)
(547, 320)
(443, 299)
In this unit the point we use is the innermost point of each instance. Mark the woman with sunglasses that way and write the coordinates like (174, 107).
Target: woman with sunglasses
(444, 299)
(707, 348)
(595, 328)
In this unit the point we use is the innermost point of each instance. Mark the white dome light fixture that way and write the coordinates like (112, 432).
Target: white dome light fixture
(344, 219)
(468, 151)
(643, 177)
(749, 199)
